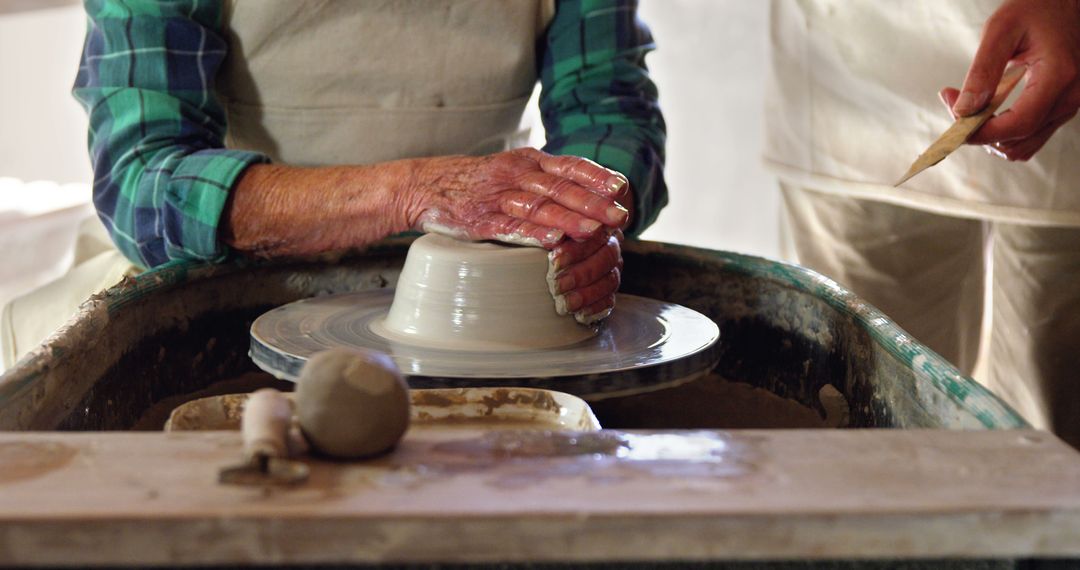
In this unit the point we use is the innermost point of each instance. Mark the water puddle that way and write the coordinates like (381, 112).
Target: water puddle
(520, 458)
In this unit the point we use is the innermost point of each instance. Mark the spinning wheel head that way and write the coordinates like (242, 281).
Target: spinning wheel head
(449, 324)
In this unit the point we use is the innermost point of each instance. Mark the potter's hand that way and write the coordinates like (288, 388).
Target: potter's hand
(1045, 36)
(584, 275)
(523, 196)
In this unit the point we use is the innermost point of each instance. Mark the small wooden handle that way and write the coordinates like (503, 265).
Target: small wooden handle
(265, 424)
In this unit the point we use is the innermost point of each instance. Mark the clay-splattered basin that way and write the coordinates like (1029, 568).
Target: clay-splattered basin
(783, 328)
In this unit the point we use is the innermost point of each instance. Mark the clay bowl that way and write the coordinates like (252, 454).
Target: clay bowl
(476, 296)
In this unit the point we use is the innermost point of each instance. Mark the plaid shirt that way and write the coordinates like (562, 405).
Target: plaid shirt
(162, 174)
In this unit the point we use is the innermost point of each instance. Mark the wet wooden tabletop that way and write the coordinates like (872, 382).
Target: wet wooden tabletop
(460, 495)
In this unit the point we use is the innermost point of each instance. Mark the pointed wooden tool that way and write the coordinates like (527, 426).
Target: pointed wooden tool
(964, 127)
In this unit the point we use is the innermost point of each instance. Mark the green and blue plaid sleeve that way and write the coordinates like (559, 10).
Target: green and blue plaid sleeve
(162, 174)
(597, 100)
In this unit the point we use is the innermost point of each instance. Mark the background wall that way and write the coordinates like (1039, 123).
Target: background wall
(44, 170)
(43, 128)
(710, 68)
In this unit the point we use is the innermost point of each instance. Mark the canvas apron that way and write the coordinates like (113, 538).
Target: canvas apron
(852, 100)
(323, 82)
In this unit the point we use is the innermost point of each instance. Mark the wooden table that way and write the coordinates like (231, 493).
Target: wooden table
(153, 498)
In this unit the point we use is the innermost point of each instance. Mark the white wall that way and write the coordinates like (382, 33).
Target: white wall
(710, 69)
(42, 128)
(42, 138)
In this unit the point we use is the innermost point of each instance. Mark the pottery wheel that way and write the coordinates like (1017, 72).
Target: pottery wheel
(645, 345)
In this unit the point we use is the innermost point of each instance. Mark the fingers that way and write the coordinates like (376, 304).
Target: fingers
(948, 97)
(1017, 149)
(597, 311)
(542, 211)
(597, 263)
(582, 171)
(1000, 40)
(1028, 114)
(509, 197)
(1025, 149)
(575, 197)
(574, 301)
(570, 252)
(579, 185)
(590, 270)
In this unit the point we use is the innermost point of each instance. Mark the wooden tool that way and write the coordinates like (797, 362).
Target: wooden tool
(964, 127)
(265, 428)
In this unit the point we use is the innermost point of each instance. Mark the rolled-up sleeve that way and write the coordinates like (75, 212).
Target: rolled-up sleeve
(597, 100)
(161, 173)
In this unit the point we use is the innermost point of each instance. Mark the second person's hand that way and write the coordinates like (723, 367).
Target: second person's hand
(1044, 35)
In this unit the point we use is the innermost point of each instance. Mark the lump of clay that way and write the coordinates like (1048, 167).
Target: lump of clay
(352, 403)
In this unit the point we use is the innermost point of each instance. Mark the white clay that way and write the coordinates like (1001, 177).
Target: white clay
(552, 274)
(477, 296)
(352, 403)
(594, 318)
(433, 227)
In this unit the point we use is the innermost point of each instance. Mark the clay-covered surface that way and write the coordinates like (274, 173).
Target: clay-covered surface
(481, 496)
(788, 330)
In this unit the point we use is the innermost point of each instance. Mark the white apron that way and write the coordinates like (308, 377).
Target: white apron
(346, 82)
(852, 100)
(320, 82)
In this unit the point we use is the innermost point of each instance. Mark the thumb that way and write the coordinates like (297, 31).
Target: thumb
(948, 97)
(999, 41)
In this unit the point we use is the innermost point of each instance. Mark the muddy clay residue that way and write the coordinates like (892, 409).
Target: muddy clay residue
(208, 414)
(716, 403)
(539, 400)
(492, 400)
(26, 460)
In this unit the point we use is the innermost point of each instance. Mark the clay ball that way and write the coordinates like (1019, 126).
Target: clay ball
(352, 403)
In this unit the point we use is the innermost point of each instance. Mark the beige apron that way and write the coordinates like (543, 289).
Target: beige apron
(852, 100)
(322, 82)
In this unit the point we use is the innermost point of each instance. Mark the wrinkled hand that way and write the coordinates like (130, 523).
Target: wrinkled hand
(584, 275)
(523, 196)
(1044, 35)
